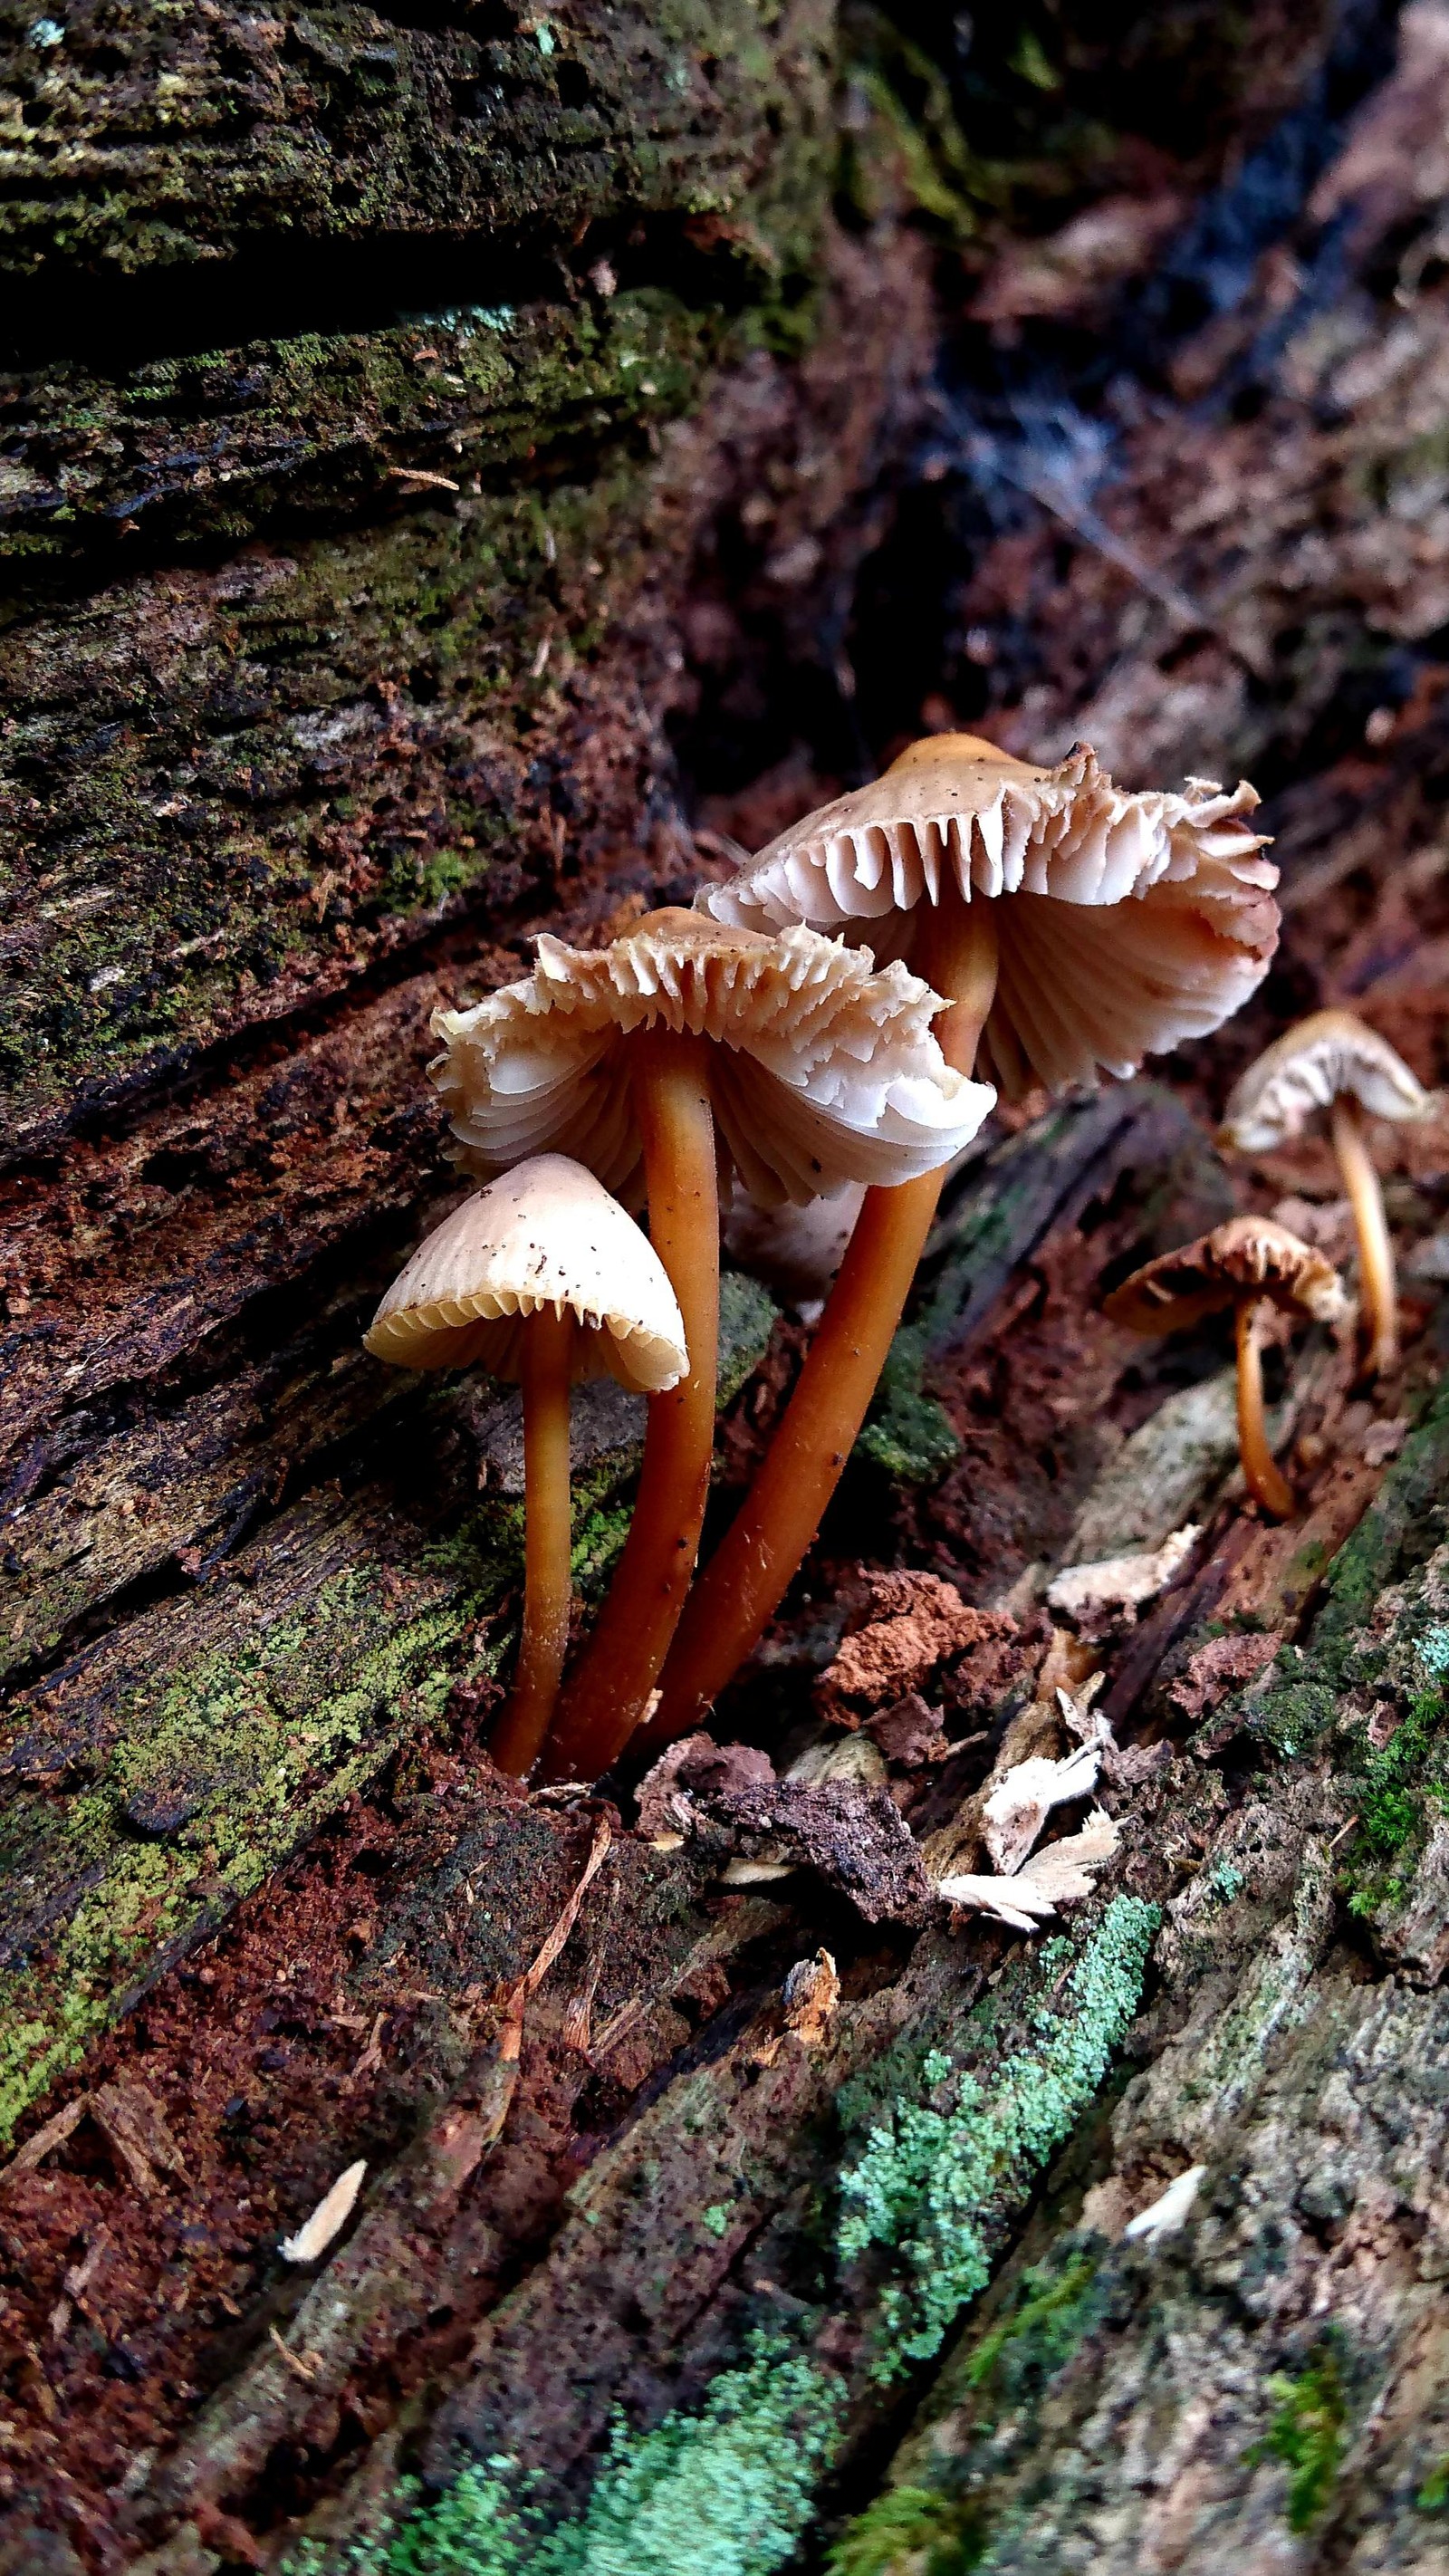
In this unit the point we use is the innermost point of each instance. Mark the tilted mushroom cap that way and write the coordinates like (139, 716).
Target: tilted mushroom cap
(546, 1235)
(1306, 1070)
(1250, 1254)
(825, 1072)
(1135, 921)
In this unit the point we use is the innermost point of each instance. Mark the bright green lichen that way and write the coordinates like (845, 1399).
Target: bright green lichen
(1308, 2433)
(935, 2180)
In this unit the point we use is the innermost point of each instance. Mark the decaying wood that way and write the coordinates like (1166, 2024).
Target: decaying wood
(578, 479)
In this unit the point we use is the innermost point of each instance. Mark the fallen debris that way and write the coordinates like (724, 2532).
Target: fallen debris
(812, 1992)
(909, 1733)
(1100, 1598)
(327, 2220)
(853, 1837)
(1060, 1875)
(1216, 1668)
(54, 2134)
(1170, 2209)
(695, 1762)
(913, 1622)
(1019, 1805)
(832, 1814)
(134, 2126)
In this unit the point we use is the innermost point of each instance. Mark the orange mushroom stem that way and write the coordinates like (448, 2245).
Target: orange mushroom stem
(1262, 1474)
(547, 1574)
(607, 1695)
(1378, 1288)
(751, 1570)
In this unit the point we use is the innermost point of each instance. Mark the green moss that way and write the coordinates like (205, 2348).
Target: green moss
(1307, 2433)
(910, 1435)
(1050, 2315)
(237, 1752)
(1433, 2495)
(910, 2527)
(937, 2179)
(725, 2492)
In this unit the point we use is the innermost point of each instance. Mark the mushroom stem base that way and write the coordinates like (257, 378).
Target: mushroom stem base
(547, 1588)
(606, 1697)
(747, 1577)
(1377, 1286)
(1265, 1480)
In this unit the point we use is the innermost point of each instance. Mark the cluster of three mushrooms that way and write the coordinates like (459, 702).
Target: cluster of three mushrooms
(1070, 928)
(647, 1062)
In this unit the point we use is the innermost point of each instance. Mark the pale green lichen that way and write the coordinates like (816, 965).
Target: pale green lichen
(725, 2492)
(937, 2178)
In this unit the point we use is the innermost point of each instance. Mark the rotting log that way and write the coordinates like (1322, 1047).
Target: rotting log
(565, 473)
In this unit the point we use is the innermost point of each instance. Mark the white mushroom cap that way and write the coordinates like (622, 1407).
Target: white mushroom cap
(1135, 921)
(824, 1070)
(1306, 1070)
(544, 1236)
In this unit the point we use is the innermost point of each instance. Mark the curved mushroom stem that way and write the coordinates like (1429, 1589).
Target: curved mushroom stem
(606, 1697)
(1266, 1483)
(747, 1577)
(547, 1588)
(1375, 1251)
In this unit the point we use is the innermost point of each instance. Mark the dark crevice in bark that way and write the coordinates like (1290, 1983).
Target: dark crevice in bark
(282, 288)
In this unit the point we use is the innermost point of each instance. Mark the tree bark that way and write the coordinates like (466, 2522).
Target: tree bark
(453, 457)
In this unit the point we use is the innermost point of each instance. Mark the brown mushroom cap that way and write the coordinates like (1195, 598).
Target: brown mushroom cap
(1135, 921)
(1307, 1069)
(825, 1070)
(1249, 1255)
(546, 1235)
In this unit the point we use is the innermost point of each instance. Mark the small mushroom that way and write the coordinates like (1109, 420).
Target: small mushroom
(1072, 928)
(542, 1277)
(1335, 1062)
(1247, 1264)
(790, 1057)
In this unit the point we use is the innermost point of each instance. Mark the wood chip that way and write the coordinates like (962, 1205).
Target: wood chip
(1109, 1595)
(1019, 1805)
(327, 2220)
(54, 2134)
(303, 2366)
(812, 1992)
(134, 2126)
(1060, 1875)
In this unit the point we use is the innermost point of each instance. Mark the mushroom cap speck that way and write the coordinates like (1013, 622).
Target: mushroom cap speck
(1134, 920)
(823, 1070)
(545, 1235)
(1306, 1070)
(1249, 1255)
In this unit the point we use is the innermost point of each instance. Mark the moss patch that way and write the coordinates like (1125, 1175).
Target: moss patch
(1308, 2433)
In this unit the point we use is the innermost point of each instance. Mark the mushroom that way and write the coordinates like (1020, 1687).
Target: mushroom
(542, 1277)
(1334, 1061)
(1247, 1263)
(814, 1069)
(1072, 927)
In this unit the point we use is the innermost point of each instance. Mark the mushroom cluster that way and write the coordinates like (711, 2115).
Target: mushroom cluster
(833, 1025)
